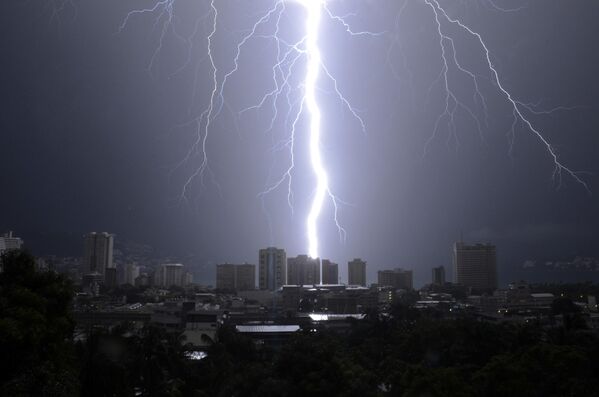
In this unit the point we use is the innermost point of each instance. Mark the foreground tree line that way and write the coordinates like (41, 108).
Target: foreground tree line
(405, 353)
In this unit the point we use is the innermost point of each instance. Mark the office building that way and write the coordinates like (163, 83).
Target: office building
(97, 253)
(225, 276)
(330, 272)
(272, 271)
(475, 265)
(128, 273)
(9, 242)
(170, 274)
(245, 277)
(110, 277)
(236, 277)
(397, 279)
(303, 270)
(439, 275)
(356, 272)
(187, 279)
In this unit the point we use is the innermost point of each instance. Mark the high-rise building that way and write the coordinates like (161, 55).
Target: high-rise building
(225, 276)
(127, 273)
(187, 279)
(356, 272)
(245, 277)
(170, 274)
(397, 278)
(110, 277)
(303, 270)
(475, 265)
(272, 271)
(236, 277)
(439, 275)
(330, 272)
(9, 242)
(97, 253)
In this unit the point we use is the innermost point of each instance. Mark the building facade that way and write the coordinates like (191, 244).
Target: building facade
(245, 277)
(303, 270)
(272, 270)
(170, 274)
(225, 276)
(236, 277)
(397, 279)
(9, 242)
(330, 272)
(97, 253)
(438, 275)
(127, 273)
(356, 272)
(475, 265)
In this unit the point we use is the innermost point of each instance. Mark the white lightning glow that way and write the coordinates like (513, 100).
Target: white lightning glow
(297, 90)
(314, 9)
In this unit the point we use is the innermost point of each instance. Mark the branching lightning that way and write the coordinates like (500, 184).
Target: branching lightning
(517, 106)
(295, 80)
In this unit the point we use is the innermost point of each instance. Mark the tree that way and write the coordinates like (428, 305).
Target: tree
(544, 370)
(35, 330)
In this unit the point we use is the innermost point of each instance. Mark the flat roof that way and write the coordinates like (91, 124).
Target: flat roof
(329, 317)
(259, 329)
(543, 295)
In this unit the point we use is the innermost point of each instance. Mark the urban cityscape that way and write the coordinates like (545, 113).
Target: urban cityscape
(299, 198)
(272, 302)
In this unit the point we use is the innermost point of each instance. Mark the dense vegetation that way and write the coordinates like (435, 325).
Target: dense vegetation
(407, 353)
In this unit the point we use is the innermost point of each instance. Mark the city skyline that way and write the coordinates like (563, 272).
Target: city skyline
(299, 198)
(101, 127)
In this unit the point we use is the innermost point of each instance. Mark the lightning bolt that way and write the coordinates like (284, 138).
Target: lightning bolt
(517, 107)
(313, 66)
(297, 72)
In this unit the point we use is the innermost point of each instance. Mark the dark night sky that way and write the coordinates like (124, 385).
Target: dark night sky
(87, 137)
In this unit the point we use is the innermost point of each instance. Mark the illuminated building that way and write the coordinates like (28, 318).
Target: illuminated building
(272, 271)
(97, 253)
(303, 270)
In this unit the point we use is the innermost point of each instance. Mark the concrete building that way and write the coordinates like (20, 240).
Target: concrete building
(9, 242)
(170, 274)
(272, 271)
(236, 277)
(90, 283)
(97, 253)
(245, 277)
(127, 273)
(330, 272)
(438, 275)
(475, 265)
(303, 270)
(356, 272)
(397, 279)
(201, 328)
(225, 276)
(187, 279)
(110, 277)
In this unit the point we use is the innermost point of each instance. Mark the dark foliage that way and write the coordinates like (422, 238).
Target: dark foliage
(35, 329)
